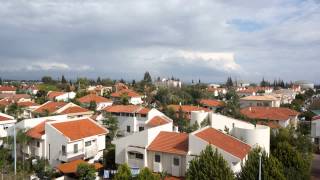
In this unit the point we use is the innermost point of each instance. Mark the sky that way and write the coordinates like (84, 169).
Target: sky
(204, 39)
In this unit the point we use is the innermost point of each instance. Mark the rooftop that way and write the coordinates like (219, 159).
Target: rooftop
(128, 92)
(269, 113)
(157, 121)
(93, 97)
(50, 106)
(74, 109)
(71, 167)
(170, 142)
(127, 109)
(188, 108)
(78, 129)
(211, 102)
(53, 94)
(259, 98)
(225, 142)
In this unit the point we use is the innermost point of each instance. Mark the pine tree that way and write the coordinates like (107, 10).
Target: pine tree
(209, 165)
(99, 80)
(63, 80)
(147, 77)
(229, 82)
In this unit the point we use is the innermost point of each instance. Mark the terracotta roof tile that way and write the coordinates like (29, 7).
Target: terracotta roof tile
(37, 131)
(50, 106)
(71, 167)
(7, 88)
(188, 108)
(78, 129)
(157, 121)
(92, 97)
(259, 98)
(74, 109)
(128, 92)
(53, 94)
(211, 102)
(27, 104)
(170, 142)
(269, 113)
(127, 109)
(3, 118)
(224, 142)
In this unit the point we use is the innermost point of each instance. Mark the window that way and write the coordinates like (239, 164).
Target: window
(316, 140)
(132, 155)
(38, 144)
(88, 143)
(141, 128)
(157, 158)
(139, 156)
(63, 150)
(128, 128)
(75, 148)
(176, 161)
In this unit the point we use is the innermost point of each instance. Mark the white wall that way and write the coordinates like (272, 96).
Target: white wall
(66, 96)
(135, 100)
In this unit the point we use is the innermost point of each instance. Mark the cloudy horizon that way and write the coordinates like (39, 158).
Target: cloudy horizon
(207, 40)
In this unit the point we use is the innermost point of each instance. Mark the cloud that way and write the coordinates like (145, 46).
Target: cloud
(46, 66)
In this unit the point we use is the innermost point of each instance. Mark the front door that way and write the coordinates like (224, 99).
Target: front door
(176, 166)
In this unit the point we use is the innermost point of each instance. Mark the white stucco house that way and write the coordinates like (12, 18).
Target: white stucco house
(265, 100)
(133, 97)
(101, 102)
(62, 140)
(61, 96)
(6, 122)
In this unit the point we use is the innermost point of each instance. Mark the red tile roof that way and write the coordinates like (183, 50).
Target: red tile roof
(5, 102)
(14, 97)
(170, 142)
(74, 109)
(53, 94)
(71, 167)
(8, 88)
(224, 142)
(269, 113)
(157, 121)
(127, 109)
(316, 118)
(92, 97)
(3, 118)
(128, 92)
(27, 104)
(188, 108)
(211, 102)
(78, 129)
(50, 106)
(37, 131)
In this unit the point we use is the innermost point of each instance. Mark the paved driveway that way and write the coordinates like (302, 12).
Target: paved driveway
(315, 171)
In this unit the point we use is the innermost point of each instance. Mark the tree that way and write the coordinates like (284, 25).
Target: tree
(86, 171)
(123, 173)
(92, 106)
(47, 80)
(124, 99)
(22, 141)
(209, 165)
(181, 122)
(271, 168)
(63, 80)
(99, 80)
(14, 110)
(229, 82)
(147, 78)
(42, 169)
(111, 123)
(146, 174)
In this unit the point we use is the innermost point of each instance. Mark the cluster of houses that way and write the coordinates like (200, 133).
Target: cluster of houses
(67, 133)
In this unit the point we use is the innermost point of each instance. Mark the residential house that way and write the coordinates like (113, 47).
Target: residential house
(134, 118)
(211, 104)
(216, 91)
(286, 96)
(169, 83)
(101, 102)
(60, 96)
(7, 90)
(241, 83)
(253, 91)
(266, 101)
(99, 90)
(119, 87)
(274, 117)
(133, 97)
(6, 122)
(315, 130)
(51, 108)
(62, 140)
(304, 85)
(187, 109)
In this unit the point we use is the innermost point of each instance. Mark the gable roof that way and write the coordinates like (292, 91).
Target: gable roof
(269, 113)
(315, 118)
(50, 106)
(5, 117)
(188, 108)
(225, 142)
(53, 94)
(78, 129)
(127, 109)
(93, 97)
(74, 109)
(170, 142)
(157, 121)
(128, 92)
(71, 167)
(37, 131)
(211, 102)
(7, 88)
(27, 104)
(259, 98)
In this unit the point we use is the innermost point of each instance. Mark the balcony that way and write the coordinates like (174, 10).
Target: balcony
(70, 156)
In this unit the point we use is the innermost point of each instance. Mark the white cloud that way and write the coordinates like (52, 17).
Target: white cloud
(47, 66)
(224, 61)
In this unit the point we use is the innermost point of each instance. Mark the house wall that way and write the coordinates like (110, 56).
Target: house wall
(103, 105)
(135, 100)
(66, 96)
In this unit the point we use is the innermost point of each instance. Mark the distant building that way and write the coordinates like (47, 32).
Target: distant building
(211, 104)
(187, 109)
(274, 117)
(168, 83)
(60, 96)
(253, 91)
(101, 102)
(266, 101)
(8, 90)
(304, 84)
(99, 90)
(216, 91)
(133, 97)
(241, 83)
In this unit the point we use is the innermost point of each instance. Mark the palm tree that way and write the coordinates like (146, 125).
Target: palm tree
(22, 141)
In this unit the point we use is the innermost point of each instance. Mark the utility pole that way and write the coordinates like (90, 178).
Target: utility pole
(15, 150)
(260, 154)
